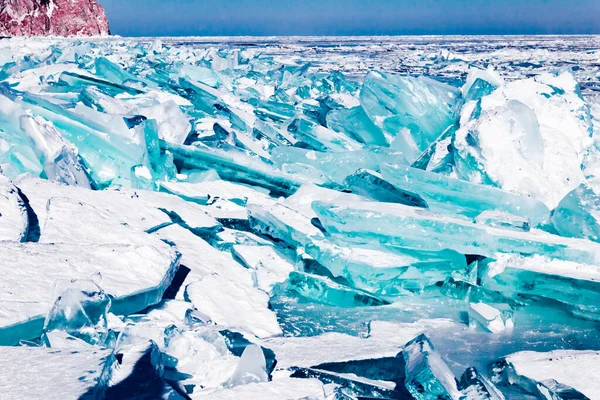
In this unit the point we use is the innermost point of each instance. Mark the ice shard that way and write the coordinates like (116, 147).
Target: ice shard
(30, 270)
(475, 386)
(235, 167)
(399, 225)
(577, 214)
(251, 368)
(455, 196)
(323, 167)
(231, 304)
(60, 159)
(572, 283)
(140, 210)
(427, 375)
(14, 221)
(490, 317)
(529, 137)
(561, 374)
(322, 290)
(202, 259)
(355, 123)
(270, 267)
(80, 310)
(412, 112)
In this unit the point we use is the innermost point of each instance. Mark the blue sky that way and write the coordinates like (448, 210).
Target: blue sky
(350, 17)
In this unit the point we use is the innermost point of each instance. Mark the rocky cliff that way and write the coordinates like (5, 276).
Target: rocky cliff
(52, 17)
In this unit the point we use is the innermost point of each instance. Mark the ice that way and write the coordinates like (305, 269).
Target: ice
(355, 123)
(546, 375)
(30, 271)
(202, 259)
(37, 372)
(528, 137)
(323, 290)
(60, 159)
(139, 209)
(499, 219)
(455, 196)
(577, 214)
(306, 352)
(321, 167)
(566, 281)
(251, 368)
(477, 387)
(273, 218)
(173, 125)
(399, 225)
(293, 389)
(480, 83)
(427, 375)
(14, 220)
(490, 318)
(231, 304)
(80, 310)
(412, 112)
(270, 266)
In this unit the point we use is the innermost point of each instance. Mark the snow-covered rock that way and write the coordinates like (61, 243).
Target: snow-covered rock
(52, 17)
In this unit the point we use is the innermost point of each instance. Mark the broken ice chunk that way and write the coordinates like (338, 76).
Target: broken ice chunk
(251, 368)
(558, 374)
(234, 167)
(319, 138)
(480, 83)
(332, 347)
(231, 304)
(566, 281)
(269, 265)
(14, 221)
(108, 70)
(27, 294)
(320, 167)
(73, 79)
(413, 112)
(323, 290)
(354, 385)
(288, 388)
(427, 375)
(444, 194)
(475, 386)
(578, 214)
(173, 125)
(32, 373)
(206, 192)
(355, 123)
(399, 225)
(202, 259)
(497, 219)
(80, 310)
(372, 185)
(491, 318)
(67, 219)
(139, 209)
(529, 137)
(60, 159)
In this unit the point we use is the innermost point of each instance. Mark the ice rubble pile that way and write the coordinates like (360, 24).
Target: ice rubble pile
(230, 226)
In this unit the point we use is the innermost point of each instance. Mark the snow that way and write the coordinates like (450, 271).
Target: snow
(575, 368)
(31, 373)
(135, 275)
(233, 305)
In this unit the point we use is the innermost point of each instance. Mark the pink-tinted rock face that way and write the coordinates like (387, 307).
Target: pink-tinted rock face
(52, 17)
